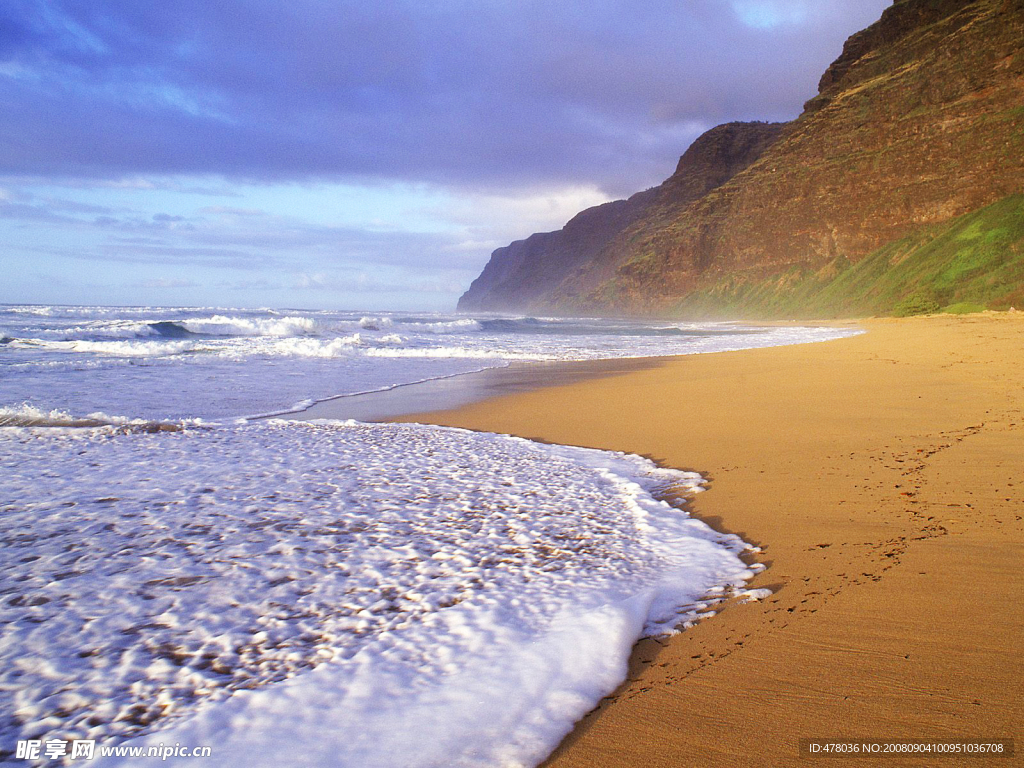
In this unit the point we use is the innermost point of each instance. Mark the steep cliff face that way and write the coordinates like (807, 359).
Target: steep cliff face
(919, 121)
(523, 274)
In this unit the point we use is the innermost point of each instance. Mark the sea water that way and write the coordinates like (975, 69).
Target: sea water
(330, 593)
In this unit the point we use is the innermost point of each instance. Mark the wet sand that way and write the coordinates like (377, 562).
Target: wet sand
(462, 389)
(883, 475)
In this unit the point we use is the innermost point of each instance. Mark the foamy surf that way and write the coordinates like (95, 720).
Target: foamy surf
(307, 594)
(461, 597)
(29, 416)
(176, 363)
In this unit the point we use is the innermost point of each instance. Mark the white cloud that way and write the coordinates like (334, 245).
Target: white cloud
(769, 14)
(501, 218)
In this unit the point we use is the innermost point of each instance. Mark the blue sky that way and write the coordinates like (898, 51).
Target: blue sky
(337, 154)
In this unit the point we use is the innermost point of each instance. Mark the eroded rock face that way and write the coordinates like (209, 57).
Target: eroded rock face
(920, 120)
(898, 21)
(523, 274)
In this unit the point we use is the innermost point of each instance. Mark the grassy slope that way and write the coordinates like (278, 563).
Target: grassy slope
(973, 262)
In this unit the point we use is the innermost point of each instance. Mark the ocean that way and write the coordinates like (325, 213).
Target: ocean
(179, 569)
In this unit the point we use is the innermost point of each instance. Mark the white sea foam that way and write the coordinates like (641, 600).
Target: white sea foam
(251, 326)
(336, 347)
(114, 348)
(43, 311)
(94, 330)
(257, 586)
(375, 323)
(218, 363)
(458, 353)
(253, 585)
(450, 326)
(25, 415)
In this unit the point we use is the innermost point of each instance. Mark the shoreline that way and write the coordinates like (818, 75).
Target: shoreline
(878, 474)
(457, 390)
(461, 389)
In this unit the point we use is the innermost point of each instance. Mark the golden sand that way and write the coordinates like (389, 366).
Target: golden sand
(883, 475)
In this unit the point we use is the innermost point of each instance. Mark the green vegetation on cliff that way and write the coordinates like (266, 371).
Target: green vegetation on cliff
(970, 263)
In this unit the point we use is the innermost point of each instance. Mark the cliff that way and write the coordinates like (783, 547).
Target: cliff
(522, 275)
(917, 124)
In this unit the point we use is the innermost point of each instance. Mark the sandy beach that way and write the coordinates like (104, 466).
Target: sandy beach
(882, 477)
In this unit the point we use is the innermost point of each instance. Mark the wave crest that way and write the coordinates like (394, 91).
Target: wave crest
(227, 325)
(26, 415)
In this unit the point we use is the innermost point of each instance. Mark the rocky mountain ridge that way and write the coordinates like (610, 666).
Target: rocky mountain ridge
(520, 274)
(918, 122)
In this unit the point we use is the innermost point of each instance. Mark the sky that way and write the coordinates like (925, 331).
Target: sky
(344, 154)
